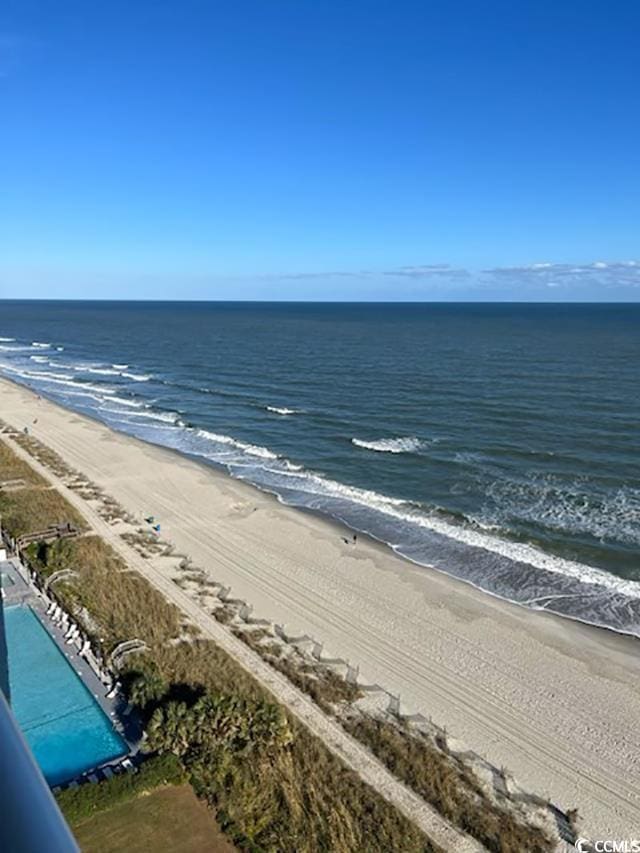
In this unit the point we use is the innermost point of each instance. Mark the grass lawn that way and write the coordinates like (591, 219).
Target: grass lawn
(170, 820)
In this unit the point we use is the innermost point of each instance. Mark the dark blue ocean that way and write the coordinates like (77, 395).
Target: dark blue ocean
(497, 443)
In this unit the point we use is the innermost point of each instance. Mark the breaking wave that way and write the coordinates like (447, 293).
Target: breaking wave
(251, 449)
(562, 506)
(282, 410)
(410, 444)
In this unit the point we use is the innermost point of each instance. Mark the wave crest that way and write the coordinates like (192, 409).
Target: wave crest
(251, 449)
(282, 410)
(408, 444)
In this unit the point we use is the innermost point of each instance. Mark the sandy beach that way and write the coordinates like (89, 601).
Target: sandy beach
(553, 701)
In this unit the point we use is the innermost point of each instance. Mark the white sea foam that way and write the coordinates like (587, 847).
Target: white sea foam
(40, 359)
(129, 403)
(319, 487)
(511, 550)
(7, 340)
(99, 389)
(120, 366)
(167, 417)
(55, 378)
(136, 377)
(251, 449)
(409, 444)
(282, 410)
(40, 344)
(558, 505)
(48, 374)
(114, 370)
(126, 418)
(102, 371)
(14, 349)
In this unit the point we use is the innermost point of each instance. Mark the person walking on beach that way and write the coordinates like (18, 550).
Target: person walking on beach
(355, 540)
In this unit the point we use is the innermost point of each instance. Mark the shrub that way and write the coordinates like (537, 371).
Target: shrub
(86, 800)
(278, 800)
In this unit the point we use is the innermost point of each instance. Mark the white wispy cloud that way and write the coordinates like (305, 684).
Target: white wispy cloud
(429, 271)
(415, 271)
(602, 273)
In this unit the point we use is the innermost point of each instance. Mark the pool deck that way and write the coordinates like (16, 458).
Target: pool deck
(18, 590)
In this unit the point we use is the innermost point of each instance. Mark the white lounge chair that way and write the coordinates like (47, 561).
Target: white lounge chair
(93, 778)
(113, 690)
(108, 772)
(128, 765)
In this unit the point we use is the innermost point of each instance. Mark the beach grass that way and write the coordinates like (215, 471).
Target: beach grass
(43, 454)
(299, 798)
(31, 510)
(14, 468)
(120, 604)
(449, 786)
(302, 798)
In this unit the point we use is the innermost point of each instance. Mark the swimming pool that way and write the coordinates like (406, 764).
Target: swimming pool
(65, 727)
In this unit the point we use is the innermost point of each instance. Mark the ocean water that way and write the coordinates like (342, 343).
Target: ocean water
(497, 443)
(66, 729)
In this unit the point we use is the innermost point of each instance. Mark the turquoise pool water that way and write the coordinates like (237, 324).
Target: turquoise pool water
(65, 727)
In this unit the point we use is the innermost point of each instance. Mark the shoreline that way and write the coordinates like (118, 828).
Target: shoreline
(343, 525)
(504, 679)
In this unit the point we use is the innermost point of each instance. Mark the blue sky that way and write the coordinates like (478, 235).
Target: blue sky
(305, 149)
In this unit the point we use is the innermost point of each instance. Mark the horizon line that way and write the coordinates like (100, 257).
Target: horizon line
(326, 301)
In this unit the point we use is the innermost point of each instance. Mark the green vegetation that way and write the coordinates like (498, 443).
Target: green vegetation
(217, 729)
(274, 786)
(449, 786)
(121, 605)
(167, 820)
(86, 800)
(31, 510)
(326, 688)
(296, 797)
(42, 453)
(14, 468)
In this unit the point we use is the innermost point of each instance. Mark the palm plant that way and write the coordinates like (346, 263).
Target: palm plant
(148, 687)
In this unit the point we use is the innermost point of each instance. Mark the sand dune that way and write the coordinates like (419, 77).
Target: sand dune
(554, 702)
